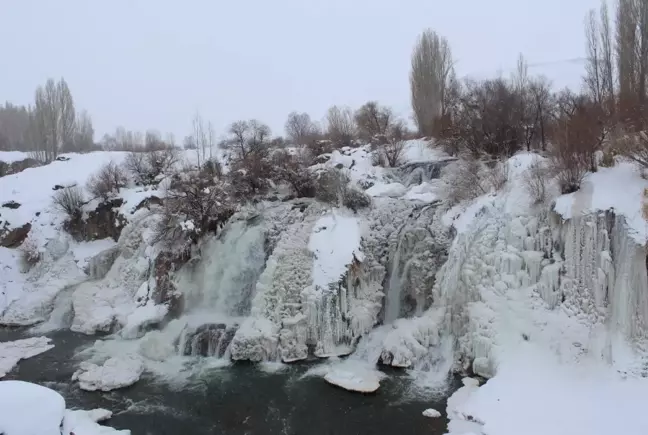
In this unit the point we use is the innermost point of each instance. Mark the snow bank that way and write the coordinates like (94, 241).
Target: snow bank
(534, 394)
(12, 352)
(350, 374)
(13, 156)
(117, 372)
(620, 188)
(431, 413)
(142, 317)
(335, 241)
(390, 190)
(83, 252)
(29, 409)
(86, 423)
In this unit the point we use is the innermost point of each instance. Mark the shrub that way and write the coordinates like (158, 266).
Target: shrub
(212, 168)
(106, 183)
(194, 205)
(355, 199)
(69, 200)
(330, 186)
(292, 169)
(465, 181)
(535, 180)
(29, 254)
(607, 159)
(146, 167)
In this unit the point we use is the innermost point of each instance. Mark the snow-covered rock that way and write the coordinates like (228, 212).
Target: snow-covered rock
(11, 352)
(431, 413)
(29, 409)
(353, 381)
(116, 372)
(390, 190)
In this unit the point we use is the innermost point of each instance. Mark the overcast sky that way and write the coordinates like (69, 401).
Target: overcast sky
(154, 63)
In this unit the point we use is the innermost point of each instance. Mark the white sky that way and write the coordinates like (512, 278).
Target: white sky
(154, 63)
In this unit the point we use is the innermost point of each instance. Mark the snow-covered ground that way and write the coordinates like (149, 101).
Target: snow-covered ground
(117, 372)
(13, 156)
(11, 352)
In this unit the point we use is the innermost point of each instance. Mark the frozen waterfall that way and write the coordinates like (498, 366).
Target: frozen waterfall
(219, 288)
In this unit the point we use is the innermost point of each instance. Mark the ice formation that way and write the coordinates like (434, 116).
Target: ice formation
(11, 352)
(116, 372)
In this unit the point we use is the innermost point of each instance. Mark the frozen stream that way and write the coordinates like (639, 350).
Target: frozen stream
(240, 399)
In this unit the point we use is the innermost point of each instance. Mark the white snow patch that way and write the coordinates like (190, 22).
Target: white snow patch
(620, 188)
(116, 372)
(419, 150)
(424, 192)
(13, 156)
(431, 413)
(29, 409)
(335, 241)
(143, 316)
(390, 190)
(85, 423)
(84, 251)
(12, 352)
(350, 374)
(533, 394)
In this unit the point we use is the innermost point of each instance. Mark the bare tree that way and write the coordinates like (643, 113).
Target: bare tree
(84, 133)
(627, 59)
(300, 129)
(540, 89)
(373, 120)
(341, 128)
(431, 66)
(593, 67)
(200, 138)
(66, 115)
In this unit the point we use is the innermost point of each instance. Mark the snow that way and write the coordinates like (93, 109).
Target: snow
(32, 188)
(13, 156)
(620, 188)
(431, 413)
(85, 423)
(350, 374)
(424, 192)
(116, 372)
(390, 190)
(143, 316)
(534, 394)
(29, 409)
(335, 242)
(82, 252)
(419, 150)
(12, 352)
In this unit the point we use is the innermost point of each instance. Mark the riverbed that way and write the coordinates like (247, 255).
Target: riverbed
(239, 399)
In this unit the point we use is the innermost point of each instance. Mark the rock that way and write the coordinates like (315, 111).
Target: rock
(431, 413)
(209, 340)
(11, 204)
(105, 221)
(148, 202)
(62, 159)
(14, 237)
(58, 187)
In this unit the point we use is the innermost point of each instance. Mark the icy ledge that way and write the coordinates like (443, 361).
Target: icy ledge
(12, 352)
(117, 372)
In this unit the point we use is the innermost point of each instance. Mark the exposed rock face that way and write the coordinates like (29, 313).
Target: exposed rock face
(14, 237)
(105, 221)
(420, 172)
(165, 292)
(208, 340)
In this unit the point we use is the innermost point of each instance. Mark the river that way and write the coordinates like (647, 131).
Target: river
(240, 399)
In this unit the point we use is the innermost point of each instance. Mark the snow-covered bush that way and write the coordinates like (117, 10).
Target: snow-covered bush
(69, 200)
(212, 168)
(292, 169)
(194, 205)
(390, 154)
(106, 183)
(535, 180)
(333, 187)
(355, 198)
(569, 168)
(29, 254)
(146, 167)
(330, 186)
(465, 181)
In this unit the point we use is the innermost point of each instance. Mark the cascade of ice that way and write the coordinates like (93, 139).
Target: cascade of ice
(219, 287)
(62, 312)
(393, 299)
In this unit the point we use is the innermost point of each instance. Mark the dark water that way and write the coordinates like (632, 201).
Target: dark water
(239, 399)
